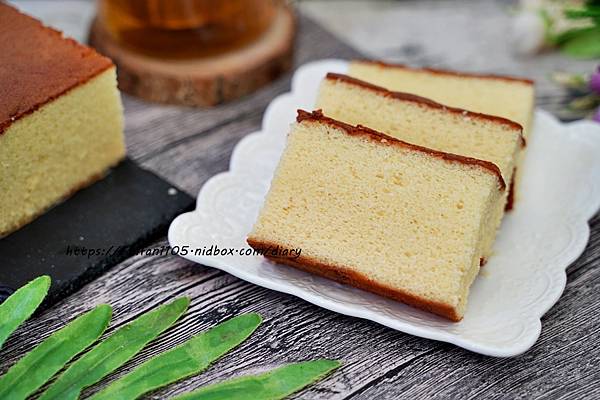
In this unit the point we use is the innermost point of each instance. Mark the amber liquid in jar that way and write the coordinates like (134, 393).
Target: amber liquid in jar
(183, 29)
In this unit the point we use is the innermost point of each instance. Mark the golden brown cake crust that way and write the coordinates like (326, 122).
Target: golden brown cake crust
(448, 72)
(352, 278)
(510, 201)
(38, 65)
(426, 102)
(360, 130)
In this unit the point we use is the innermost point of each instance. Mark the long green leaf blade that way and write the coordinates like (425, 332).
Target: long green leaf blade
(50, 356)
(570, 34)
(589, 12)
(115, 351)
(272, 385)
(186, 360)
(585, 45)
(21, 304)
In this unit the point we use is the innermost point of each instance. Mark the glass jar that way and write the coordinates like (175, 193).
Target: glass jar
(186, 28)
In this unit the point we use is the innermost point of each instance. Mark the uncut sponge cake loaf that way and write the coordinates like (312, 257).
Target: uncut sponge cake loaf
(508, 97)
(383, 215)
(61, 124)
(425, 123)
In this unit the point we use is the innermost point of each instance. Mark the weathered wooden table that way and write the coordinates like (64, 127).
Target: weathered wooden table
(188, 146)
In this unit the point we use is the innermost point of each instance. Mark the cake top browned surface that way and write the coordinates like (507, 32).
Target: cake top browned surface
(374, 135)
(449, 72)
(38, 64)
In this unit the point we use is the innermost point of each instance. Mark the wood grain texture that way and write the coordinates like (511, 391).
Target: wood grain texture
(188, 146)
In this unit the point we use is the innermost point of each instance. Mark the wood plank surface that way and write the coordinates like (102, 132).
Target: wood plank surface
(188, 146)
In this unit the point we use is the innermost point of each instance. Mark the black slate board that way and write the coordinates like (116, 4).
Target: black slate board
(114, 217)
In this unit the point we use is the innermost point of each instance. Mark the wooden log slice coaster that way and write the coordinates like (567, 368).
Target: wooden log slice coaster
(204, 81)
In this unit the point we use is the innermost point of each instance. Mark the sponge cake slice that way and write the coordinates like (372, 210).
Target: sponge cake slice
(369, 210)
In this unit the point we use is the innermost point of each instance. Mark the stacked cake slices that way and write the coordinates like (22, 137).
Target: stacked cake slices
(503, 96)
(391, 192)
(426, 123)
(498, 95)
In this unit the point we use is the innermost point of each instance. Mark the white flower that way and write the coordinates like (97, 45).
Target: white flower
(528, 33)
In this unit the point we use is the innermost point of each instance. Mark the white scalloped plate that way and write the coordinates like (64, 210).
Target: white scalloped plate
(546, 232)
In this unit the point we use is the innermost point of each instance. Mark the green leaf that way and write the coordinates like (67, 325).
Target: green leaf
(570, 34)
(21, 304)
(50, 356)
(113, 352)
(590, 12)
(585, 45)
(273, 385)
(186, 360)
